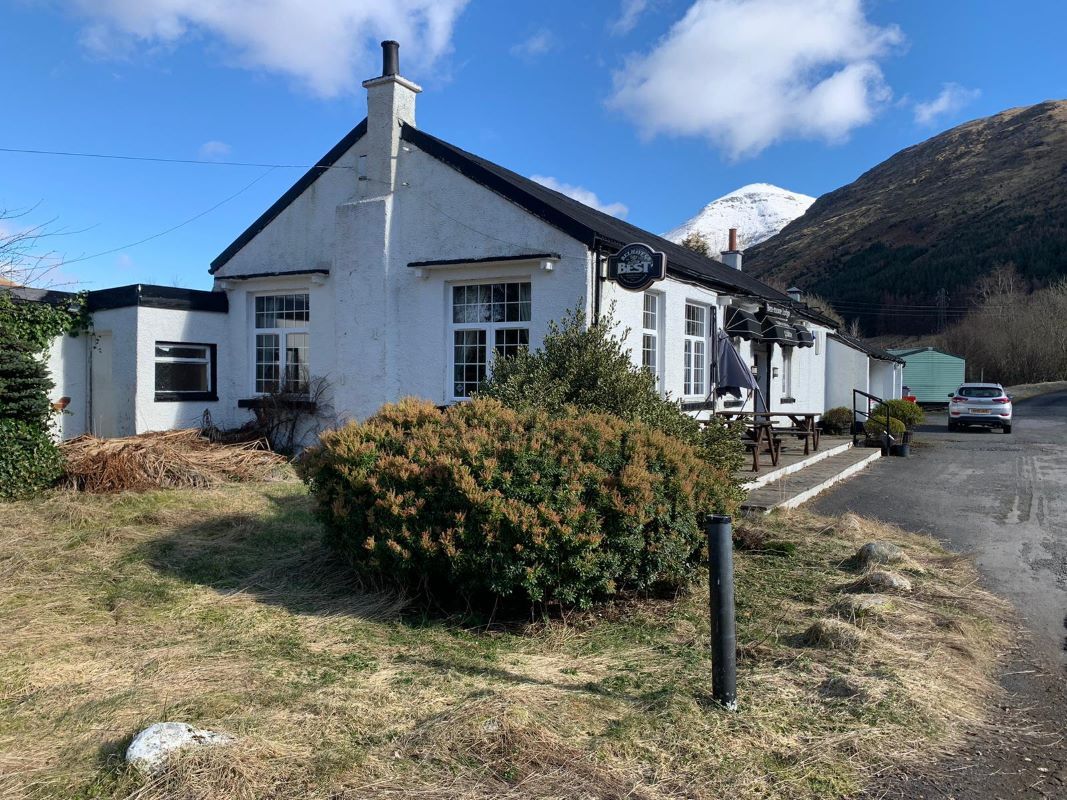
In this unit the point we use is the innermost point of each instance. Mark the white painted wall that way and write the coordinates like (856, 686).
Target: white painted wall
(846, 369)
(167, 325)
(68, 366)
(379, 330)
(885, 378)
(301, 236)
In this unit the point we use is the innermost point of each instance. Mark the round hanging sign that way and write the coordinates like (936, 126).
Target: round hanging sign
(637, 266)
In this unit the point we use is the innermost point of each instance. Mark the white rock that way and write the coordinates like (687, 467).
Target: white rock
(151, 748)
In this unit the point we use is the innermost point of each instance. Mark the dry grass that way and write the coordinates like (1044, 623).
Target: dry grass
(1025, 391)
(163, 460)
(218, 607)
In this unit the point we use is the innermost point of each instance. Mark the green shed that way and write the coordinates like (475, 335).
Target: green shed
(931, 374)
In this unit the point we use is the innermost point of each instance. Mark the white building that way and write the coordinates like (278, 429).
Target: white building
(397, 266)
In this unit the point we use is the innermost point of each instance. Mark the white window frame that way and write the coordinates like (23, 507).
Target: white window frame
(208, 360)
(281, 333)
(490, 328)
(787, 373)
(692, 389)
(653, 333)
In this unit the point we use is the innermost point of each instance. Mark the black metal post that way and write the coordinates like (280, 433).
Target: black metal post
(723, 629)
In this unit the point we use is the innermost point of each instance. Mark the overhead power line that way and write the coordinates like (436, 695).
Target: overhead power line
(161, 160)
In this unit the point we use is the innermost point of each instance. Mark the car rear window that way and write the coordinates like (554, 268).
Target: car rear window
(979, 391)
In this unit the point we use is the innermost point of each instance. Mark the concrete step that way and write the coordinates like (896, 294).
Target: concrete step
(799, 486)
(797, 463)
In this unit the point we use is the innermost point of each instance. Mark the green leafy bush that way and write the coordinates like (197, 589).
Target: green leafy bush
(837, 421)
(875, 427)
(29, 459)
(588, 368)
(495, 503)
(911, 414)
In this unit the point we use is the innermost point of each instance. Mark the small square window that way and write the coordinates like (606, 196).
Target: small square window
(184, 371)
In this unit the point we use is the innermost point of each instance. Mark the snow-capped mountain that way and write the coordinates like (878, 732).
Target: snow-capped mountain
(758, 211)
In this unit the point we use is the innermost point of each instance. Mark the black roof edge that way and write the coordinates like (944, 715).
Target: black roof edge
(291, 194)
(278, 274)
(863, 347)
(485, 260)
(151, 296)
(557, 219)
(26, 294)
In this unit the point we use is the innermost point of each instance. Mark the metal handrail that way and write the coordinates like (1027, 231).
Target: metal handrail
(867, 414)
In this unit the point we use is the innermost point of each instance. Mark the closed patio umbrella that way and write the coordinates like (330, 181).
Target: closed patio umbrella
(733, 374)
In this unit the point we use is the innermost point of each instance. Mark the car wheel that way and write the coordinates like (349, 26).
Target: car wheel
(1007, 429)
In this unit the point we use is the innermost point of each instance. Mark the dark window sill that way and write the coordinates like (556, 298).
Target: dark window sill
(733, 403)
(183, 397)
(302, 404)
(787, 400)
(698, 405)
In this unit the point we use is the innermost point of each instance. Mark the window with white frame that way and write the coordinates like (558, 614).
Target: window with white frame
(280, 342)
(787, 372)
(696, 337)
(650, 317)
(184, 371)
(487, 318)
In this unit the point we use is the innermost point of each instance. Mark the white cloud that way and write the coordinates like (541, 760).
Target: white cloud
(535, 44)
(953, 97)
(327, 45)
(124, 261)
(213, 150)
(748, 73)
(629, 14)
(582, 195)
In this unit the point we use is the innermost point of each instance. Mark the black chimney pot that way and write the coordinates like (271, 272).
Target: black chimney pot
(390, 58)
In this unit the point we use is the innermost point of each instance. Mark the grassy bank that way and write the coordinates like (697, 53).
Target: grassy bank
(218, 607)
(1025, 391)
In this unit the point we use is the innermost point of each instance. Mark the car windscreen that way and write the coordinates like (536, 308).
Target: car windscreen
(979, 391)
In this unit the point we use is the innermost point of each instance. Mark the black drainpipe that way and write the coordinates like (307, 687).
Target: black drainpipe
(597, 281)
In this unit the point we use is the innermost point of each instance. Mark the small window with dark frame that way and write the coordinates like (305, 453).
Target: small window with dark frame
(184, 371)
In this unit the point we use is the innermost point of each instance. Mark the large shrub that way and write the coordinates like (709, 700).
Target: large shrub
(29, 459)
(837, 420)
(911, 414)
(24, 384)
(496, 503)
(587, 367)
(875, 427)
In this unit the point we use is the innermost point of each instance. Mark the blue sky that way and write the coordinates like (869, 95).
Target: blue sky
(656, 106)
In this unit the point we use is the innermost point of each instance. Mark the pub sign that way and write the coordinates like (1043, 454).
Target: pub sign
(637, 266)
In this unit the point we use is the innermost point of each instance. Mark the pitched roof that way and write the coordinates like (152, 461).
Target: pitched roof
(913, 350)
(578, 220)
(584, 223)
(864, 347)
(291, 194)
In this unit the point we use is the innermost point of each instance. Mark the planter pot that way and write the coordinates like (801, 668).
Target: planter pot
(901, 450)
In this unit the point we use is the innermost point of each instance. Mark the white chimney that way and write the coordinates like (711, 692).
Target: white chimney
(731, 257)
(794, 293)
(390, 102)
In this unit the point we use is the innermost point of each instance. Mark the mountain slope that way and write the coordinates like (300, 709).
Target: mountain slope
(758, 211)
(939, 215)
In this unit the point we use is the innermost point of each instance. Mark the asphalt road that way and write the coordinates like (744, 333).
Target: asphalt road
(1003, 499)
(1000, 497)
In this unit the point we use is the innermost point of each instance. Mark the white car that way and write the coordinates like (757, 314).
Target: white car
(980, 404)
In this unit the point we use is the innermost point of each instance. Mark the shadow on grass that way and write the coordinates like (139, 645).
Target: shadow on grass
(277, 558)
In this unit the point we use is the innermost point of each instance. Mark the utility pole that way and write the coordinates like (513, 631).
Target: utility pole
(942, 305)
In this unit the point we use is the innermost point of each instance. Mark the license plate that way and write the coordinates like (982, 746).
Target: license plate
(979, 411)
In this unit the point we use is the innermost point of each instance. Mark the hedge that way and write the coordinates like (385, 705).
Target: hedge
(491, 503)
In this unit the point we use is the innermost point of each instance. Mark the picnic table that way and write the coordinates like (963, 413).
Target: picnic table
(760, 434)
(763, 433)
